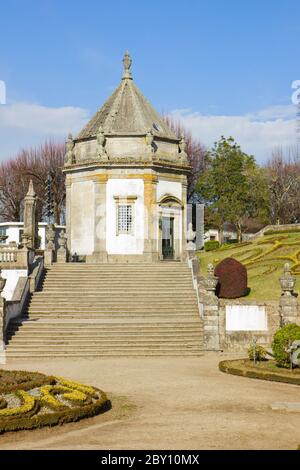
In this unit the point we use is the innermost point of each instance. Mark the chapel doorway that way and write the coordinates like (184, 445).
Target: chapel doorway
(168, 238)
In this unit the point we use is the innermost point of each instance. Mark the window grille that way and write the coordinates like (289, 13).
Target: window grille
(125, 219)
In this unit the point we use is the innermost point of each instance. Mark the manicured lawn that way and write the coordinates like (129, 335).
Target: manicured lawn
(264, 259)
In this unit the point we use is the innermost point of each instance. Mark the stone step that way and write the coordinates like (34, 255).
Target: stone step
(93, 354)
(125, 306)
(104, 307)
(102, 343)
(110, 310)
(91, 326)
(83, 337)
(168, 314)
(109, 294)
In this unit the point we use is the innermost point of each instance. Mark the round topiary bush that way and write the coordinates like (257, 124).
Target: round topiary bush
(232, 279)
(281, 341)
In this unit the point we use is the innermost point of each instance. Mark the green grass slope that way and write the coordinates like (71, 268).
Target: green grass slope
(264, 258)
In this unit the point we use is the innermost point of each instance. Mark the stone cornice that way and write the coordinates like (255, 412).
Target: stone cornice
(160, 165)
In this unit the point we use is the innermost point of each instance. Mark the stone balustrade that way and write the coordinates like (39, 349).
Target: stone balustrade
(14, 257)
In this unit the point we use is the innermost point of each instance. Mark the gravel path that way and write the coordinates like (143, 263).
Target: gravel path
(179, 403)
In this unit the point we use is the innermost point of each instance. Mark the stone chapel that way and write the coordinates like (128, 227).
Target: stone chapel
(126, 183)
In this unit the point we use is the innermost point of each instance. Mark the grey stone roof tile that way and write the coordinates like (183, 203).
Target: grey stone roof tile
(127, 112)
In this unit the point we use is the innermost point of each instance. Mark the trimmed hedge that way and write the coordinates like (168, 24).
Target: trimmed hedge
(233, 367)
(232, 279)
(58, 417)
(285, 335)
(55, 401)
(211, 245)
(11, 380)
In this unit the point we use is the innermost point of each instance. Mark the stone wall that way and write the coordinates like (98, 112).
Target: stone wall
(225, 328)
(239, 340)
(277, 228)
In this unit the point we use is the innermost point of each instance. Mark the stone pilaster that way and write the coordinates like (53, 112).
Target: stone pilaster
(68, 211)
(150, 218)
(100, 253)
(184, 219)
(29, 237)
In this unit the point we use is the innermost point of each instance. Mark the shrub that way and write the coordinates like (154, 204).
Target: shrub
(211, 245)
(282, 338)
(260, 353)
(232, 279)
(279, 232)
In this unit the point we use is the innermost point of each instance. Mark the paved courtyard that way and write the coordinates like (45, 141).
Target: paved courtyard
(168, 403)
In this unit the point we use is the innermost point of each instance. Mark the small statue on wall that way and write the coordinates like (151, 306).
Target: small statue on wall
(149, 144)
(101, 141)
(70, 157)
(182, 148)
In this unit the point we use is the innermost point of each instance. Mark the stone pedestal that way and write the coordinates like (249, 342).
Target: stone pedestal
(61, 256)
(288, 303)
(288, 310)
(2, 315)
(211, 325)
(48, 257)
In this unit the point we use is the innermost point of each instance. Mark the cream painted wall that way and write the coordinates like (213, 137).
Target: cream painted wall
(125, 244)
(82, 217)
(168, 187)
(12, 276)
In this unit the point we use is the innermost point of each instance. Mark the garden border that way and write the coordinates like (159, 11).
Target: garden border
(227, 366)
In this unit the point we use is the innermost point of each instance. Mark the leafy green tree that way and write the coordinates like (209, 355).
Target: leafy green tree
(232, 186)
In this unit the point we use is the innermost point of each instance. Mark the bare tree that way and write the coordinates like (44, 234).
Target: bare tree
(283, 173)
(195, 151)
(36, 164)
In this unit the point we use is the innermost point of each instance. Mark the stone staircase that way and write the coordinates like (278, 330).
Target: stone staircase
(96, 310)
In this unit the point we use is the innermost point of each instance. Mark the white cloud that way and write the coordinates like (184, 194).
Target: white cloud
(27, 124)
(257, 133)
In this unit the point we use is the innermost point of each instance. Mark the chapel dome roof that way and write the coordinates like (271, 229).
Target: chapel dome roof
(127, 112)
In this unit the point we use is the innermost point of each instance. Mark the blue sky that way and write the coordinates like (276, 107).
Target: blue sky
(223, 67)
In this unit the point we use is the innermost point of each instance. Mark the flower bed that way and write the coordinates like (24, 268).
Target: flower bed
(30, 400)
(265, 370)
